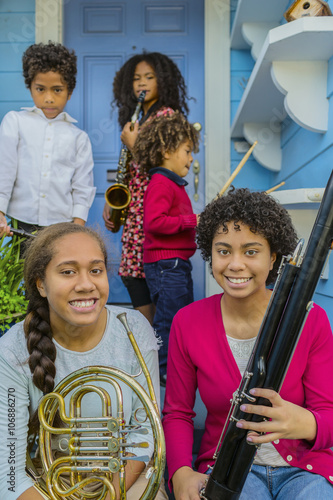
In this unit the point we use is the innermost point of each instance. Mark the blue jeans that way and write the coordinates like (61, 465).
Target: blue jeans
(285, 483)
(171, 288)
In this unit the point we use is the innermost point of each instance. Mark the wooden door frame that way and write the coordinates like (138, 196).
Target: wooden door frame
(49, 26)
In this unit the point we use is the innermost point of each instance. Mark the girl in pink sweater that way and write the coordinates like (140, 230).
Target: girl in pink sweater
(243, 236)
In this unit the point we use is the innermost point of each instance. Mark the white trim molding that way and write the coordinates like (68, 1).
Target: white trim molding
(49, 21)
(217, 105)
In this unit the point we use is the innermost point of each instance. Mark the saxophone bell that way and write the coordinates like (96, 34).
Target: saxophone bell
(118, 198)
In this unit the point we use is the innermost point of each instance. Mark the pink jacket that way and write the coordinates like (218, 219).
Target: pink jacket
(168, 220)
(199, 356)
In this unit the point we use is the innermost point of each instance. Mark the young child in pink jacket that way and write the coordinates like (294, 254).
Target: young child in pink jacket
(164, 150)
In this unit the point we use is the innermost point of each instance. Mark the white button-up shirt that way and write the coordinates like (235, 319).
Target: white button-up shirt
(46, 168)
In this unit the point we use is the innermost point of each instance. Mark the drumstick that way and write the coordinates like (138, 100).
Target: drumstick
(237, 169)
(274, 188)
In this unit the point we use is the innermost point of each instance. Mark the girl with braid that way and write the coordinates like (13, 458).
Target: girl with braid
(68, 326)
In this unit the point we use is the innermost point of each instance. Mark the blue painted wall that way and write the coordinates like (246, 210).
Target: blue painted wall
(307, 157)
(254, 176)
(17, 32)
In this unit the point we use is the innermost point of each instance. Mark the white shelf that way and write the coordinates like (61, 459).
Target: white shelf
(258, 14)
(289, 78)
(302, 205)
(299, 196)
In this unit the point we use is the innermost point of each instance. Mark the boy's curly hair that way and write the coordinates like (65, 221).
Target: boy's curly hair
(257, 210)
(160, 135)
(170, 83)
(41, 58)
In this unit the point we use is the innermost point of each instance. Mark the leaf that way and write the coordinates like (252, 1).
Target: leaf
(13, 303)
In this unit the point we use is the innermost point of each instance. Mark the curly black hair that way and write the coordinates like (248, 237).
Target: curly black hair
(41, 58)
(257, 210)
(161, 134)
(170, 83)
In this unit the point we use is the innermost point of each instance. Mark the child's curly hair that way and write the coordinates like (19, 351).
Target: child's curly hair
(160, 135)
(41, 58)
(170, 83)
(257, 210)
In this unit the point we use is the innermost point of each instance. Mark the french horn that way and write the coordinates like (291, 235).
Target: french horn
(97, 446)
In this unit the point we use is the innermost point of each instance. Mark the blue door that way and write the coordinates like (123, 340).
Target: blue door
(104, 35)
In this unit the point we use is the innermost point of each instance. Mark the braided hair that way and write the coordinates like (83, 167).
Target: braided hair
(37, 328)
(170, 83)
(257, 210)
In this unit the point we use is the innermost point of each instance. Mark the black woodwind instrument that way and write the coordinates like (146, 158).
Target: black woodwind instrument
(277, 339)
(118, 195)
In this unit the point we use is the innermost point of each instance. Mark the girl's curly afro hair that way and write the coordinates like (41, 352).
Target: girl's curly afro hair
(257, 210)
(42, 58)
(170, 84)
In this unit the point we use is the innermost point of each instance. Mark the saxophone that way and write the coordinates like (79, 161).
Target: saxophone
(95, 447)
(118, 195)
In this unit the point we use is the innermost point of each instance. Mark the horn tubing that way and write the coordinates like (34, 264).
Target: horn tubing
(107, 440)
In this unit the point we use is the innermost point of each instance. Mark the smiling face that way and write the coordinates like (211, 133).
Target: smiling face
(49, 93)
(241, 261)
(180, 160)
(144, 78)
(75, 285)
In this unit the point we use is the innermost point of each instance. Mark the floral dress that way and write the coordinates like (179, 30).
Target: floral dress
(131, 263)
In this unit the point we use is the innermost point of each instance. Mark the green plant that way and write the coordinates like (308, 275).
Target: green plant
(13, 303)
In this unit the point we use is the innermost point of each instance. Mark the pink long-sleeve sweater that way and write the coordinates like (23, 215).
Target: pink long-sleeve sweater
(168, 220)
(200, 356)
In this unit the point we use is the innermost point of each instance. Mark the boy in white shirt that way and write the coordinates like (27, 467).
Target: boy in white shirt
(46, 164)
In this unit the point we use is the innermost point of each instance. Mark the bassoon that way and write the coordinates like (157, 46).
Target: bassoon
(280, 330)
